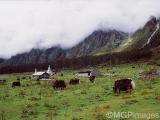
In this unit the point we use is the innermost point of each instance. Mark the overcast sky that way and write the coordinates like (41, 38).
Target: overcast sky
(44, 23)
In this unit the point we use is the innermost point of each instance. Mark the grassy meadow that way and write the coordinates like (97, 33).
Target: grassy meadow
(86, 101)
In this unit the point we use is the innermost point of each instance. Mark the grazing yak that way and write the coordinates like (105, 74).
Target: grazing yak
(123, 85)
(59, 84)
(74, 81)
(16, 84)
(92, 78)
(2, 82)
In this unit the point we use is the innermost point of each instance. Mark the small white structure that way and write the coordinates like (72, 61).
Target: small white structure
(84, 73)
(89, 72)
(42, 75)
(37, 74)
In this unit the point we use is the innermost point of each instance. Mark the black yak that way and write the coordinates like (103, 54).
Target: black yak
(74, 81)
(123, 85)
(59, 84)
(16, 84)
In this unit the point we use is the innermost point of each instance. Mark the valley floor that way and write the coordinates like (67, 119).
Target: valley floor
(86, 101)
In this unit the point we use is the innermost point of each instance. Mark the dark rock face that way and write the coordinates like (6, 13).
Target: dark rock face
(35, 56)
(94, 41)
(151, 24)
(2, 60)
(25, 58)
(51, 54)
(155, 41)
(141, 36)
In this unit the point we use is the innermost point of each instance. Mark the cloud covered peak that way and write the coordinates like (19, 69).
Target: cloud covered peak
(41, 24)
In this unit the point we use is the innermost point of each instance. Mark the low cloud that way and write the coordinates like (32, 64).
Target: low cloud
(41, 24)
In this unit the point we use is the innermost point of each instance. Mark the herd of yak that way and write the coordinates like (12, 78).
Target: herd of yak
(119, 85)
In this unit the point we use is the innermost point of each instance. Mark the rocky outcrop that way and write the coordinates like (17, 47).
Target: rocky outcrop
(51, 54)
(95, 41)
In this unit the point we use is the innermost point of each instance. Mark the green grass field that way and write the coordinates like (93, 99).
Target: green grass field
(86, 101)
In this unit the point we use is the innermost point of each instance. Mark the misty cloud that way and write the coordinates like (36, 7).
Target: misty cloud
(41, 24)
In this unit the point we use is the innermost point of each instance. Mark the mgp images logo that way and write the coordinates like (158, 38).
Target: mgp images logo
(136, 115)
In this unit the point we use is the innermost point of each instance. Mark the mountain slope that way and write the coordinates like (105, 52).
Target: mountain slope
(143, 37)
(2, 60)
(89, 46)
(97, 41)
(25, 58)
(35, 56)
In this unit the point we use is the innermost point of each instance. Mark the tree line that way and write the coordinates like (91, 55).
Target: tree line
(83, 62)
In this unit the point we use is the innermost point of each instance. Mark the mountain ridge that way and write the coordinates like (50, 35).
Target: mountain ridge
(94, 41)
(95, 44)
